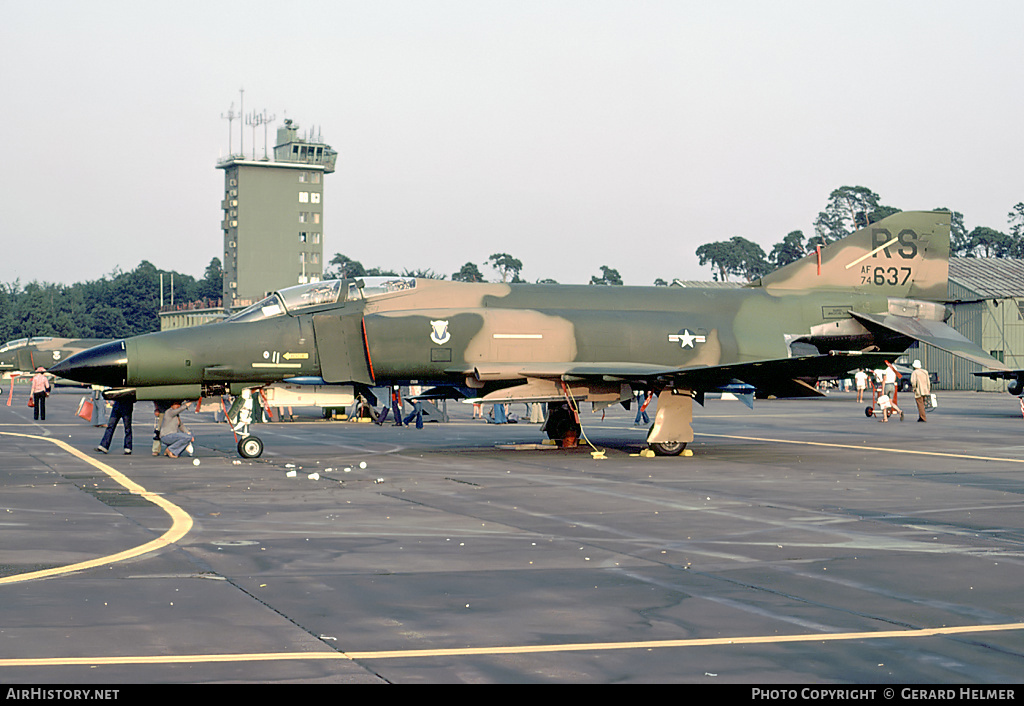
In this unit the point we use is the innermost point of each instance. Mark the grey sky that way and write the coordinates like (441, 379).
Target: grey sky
(568, 134)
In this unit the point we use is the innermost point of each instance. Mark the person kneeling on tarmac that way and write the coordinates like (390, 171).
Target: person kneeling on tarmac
(888, 407)
(173, 431)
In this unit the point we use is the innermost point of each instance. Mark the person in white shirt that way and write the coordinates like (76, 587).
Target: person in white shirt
(889, 380)
(861, 380)
(888, 407)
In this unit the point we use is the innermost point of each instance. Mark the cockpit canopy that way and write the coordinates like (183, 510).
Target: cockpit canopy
(315, 294)
(21, 342)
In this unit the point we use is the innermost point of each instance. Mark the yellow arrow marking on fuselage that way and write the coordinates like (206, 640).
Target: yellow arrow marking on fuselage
(295, 356)
(180, 526)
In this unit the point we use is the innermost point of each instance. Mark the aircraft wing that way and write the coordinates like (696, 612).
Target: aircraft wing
(934, 333)
(784, 377)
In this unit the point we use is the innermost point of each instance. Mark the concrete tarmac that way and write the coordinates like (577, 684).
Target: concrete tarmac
(801, 543)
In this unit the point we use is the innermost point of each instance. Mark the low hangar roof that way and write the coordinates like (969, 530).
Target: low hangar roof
(988, 277)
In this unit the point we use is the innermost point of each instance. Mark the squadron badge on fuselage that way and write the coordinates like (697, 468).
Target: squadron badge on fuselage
(439, 332)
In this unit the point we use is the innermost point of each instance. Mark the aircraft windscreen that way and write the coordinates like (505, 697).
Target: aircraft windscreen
(313, 294)
(367, 287)
(13, 344)
(305, 296)
(271, 306)
(291, 299)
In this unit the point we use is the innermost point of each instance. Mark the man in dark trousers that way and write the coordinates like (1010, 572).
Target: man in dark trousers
(922, 386)
(396, 408)
(122, 410)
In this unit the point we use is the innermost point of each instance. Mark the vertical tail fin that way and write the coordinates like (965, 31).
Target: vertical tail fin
(905, 255)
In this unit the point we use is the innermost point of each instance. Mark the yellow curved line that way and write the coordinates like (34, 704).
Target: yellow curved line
(180, 526)
(510, 649)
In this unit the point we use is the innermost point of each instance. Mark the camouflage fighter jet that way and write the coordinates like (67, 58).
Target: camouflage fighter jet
(852, 304)
(23, 356)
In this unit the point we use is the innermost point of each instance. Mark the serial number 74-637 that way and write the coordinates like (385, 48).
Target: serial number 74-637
(885, 275)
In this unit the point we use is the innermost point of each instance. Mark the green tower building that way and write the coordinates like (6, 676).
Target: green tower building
(274, 216)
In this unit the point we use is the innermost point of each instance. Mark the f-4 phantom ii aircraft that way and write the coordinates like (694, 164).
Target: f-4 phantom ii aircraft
(854, 303)
(24, 355)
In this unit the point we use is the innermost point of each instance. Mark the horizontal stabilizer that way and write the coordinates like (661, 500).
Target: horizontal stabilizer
(1007, 374)
(934, 333)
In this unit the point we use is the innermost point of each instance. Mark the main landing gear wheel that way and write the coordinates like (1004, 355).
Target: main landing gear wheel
(250, 447)
(666, 448)
(669, 448)
(561, 426)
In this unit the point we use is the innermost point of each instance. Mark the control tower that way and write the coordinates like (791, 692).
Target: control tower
(274, 216)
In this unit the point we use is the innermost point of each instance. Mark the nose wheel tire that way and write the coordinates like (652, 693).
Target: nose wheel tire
(250, 447)
(669, 448)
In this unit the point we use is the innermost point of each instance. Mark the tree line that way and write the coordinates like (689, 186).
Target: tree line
(117, 305)
(506, 267)
(128, 303)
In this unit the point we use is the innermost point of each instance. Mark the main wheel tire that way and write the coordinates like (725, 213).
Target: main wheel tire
(561, 424)
(669, 448)
(250, 447)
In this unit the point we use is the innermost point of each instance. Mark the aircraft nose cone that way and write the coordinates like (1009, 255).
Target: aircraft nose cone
(106, 364)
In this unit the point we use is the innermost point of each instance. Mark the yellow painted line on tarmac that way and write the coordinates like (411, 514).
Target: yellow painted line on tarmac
(509, 650)
(181, 521)
(943, 454)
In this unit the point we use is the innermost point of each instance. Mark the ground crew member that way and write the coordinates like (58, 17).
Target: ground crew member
(922, 388)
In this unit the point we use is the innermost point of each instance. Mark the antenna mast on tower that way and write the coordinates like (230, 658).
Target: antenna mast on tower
(255, 120)
(241, 130)
(230, 117)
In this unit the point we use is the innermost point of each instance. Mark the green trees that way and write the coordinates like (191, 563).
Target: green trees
(608, 277)
(791, 249)
(507, 266)
(120, 304)
(468, 273)
(345, 267)
(737, 256)
(1016, 220)
(211, 286)
(988, 242)
(849, 208)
